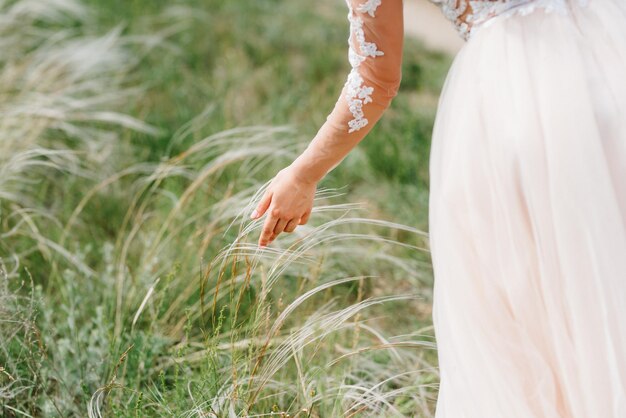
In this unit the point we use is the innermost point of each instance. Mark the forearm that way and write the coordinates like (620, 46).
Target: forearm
(333, 143)
(376, 56)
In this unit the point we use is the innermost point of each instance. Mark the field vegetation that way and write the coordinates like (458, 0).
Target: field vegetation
(135, 139)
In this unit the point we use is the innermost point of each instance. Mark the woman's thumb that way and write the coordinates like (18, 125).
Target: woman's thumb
(262, 206)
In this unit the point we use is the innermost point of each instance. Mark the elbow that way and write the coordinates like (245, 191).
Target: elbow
(395, 84)
(384, 78)
(386, 85)
(391, 85)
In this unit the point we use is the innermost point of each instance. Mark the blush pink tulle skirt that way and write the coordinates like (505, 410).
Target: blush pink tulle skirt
(528, 218)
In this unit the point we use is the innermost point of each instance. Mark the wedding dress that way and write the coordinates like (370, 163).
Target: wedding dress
(527, 207)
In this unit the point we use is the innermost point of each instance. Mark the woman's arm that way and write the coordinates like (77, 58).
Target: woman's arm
(375, 53)
(383, 34)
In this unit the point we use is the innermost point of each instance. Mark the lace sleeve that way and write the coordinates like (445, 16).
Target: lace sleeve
(375, 54)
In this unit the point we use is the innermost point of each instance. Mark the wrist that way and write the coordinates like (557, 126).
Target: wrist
(306, 172)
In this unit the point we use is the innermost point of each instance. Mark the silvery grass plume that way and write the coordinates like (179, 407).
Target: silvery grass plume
(16, 326)
(55, 85)
(180, 313)
(225, 308)
(60, 90)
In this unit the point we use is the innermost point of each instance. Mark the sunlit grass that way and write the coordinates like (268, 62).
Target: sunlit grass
(131, 153)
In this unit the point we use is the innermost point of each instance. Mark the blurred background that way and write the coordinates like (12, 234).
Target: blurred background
(135, 136)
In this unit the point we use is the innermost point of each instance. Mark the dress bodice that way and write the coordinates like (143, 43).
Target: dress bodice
(375, 52)
(468, 15)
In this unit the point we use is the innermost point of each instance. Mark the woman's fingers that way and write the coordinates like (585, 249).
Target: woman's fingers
(305, 218)
(291, 225)
(286, 195)
(280, 226)
(262, 206)
(283, 225)
(268, 230)
(274, 225)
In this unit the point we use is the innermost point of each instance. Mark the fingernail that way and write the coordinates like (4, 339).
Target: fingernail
(254, 214)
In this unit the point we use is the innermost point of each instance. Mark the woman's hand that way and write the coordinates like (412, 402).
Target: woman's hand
(288, 201)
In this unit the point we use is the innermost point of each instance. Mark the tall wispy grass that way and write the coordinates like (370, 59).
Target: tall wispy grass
(134, 287)
(241, 318)
(58, 125)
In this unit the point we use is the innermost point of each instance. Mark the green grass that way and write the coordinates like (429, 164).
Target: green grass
(135, 137)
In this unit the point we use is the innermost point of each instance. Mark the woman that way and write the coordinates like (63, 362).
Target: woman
(527, 207)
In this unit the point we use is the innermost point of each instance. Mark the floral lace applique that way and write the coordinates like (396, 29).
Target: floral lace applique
(357, 93)
(469, 15)
(370, 7)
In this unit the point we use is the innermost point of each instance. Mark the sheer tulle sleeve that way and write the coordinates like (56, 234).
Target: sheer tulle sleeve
(375, 54)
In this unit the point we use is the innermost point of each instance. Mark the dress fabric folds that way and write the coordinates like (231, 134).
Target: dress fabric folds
(527, 218)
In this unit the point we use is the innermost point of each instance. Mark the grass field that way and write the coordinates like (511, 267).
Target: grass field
(134, 137)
